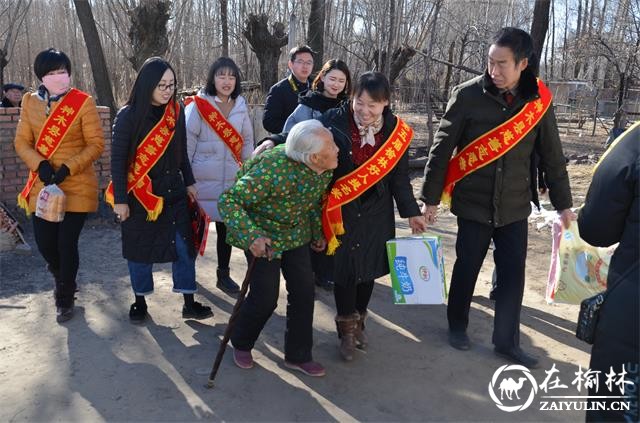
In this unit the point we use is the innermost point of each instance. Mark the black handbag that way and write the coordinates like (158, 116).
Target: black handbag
(588, 317)
(590, 311)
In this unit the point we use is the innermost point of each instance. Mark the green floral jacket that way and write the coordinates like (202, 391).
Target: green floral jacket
(275, 197)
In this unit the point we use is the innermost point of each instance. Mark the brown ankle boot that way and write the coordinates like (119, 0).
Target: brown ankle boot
(346, 328)
(362, 340)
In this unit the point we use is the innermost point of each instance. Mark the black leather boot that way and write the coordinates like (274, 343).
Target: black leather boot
(225, 283)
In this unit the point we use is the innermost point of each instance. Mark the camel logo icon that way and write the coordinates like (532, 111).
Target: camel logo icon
(510, 387)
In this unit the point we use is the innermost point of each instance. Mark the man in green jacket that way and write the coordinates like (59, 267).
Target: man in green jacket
(495, 122)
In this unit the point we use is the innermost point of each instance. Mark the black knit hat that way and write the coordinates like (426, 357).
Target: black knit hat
(12, 86)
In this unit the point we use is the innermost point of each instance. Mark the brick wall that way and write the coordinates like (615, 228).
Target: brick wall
(13, 172)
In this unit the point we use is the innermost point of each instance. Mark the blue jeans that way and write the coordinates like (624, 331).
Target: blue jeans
(183, 272)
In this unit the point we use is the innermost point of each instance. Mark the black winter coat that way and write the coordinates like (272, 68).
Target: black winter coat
(611, 214)
(280, 103)
(499, 193)
(369, 221)
(153, 241)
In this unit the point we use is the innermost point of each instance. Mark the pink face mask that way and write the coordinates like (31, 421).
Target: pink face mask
(57, 84)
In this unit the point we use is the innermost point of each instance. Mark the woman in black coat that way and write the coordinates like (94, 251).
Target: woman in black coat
(149, 237)
(359, 129)
(613, 197)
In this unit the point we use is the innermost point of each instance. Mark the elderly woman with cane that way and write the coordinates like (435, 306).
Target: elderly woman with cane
(273, 213)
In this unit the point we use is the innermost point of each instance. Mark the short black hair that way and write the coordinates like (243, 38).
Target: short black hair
(300, 49)
(375, 84)
(216, 68)
(333, 64)
(50, 60)
(517, 40)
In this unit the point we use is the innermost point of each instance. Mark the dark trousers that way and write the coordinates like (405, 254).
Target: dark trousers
(223, 249)
(322, 264)
(262, 300)
(509, 255)
(353, 297)
(58, 244)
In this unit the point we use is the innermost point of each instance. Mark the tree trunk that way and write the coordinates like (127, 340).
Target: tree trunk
(434, 28)
(315, 32)
(96, 55)
(539, 28)
(148, 31)
(266, 46)
(399, 60)
(553, 41)
(563, 72)
(224, 20)
(447, 79)
(617, 116)
(391, 40)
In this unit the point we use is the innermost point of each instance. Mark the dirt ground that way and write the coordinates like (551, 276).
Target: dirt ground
(99, 366)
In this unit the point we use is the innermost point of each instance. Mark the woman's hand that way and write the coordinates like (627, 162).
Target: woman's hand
(121, 211)
(319, 245)
(430, 213)
(418, 224)
(566, 216)
(266, 145)
(261, 247)
(192, 192)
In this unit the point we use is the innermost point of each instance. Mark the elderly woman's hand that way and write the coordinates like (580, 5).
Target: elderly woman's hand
(266, 145)
(418, 224)
(261, 247)
(319, 245)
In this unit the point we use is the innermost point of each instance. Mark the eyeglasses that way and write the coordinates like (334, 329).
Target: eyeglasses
(163, 87)
(303, 62)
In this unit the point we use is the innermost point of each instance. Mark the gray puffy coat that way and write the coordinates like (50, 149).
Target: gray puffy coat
(213, 165)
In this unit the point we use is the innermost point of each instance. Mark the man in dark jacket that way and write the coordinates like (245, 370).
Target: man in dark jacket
(283, 96)
(492, 198)
(613, 197)
(12, 95)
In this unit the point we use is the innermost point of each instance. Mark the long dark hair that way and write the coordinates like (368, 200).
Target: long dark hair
(217, 68)
(139, 100)
(330, 65)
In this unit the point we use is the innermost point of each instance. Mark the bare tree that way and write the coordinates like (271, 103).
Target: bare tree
(266, 46)
(96, 56)
(539, 27)
(225, 27)
(315, 33)
(16, 16)
(437, 7)
(148, 31)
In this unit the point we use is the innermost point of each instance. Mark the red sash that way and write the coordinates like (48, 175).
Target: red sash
(221, 126)
(51, 135)
(149, 151)
(354, 184)
(494, 144)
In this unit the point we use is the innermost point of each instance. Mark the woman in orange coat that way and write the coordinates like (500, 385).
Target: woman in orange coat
(59, 136)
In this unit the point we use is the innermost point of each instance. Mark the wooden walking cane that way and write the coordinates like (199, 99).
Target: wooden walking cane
(232, 319)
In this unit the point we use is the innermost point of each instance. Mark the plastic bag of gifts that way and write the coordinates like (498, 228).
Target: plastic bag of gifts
(51, 204)
(578, 270)
(416, 267)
